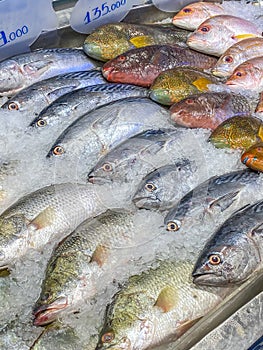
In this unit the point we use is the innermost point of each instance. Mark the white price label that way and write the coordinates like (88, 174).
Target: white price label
(21, 23)
(90, 14)
(171, 6)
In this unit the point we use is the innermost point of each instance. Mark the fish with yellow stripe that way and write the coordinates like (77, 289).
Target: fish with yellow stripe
(112, 39)
(176, 84)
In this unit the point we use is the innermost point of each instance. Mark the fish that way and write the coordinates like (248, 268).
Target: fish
(237, 132)
(209, 109)
(155, 308)
(236, 54)
(248, 76)
(258, 345)
(37, 96)
(218, 192)
(162, 188)
(192, 15)
(216, 34)
(18, 72)
(234, 251)
(141, 66)
(175, 84)
(252, 157)
(68, 108)
(44, 216)
(130, 161)
(259, 108)
(78, 260)
(101, 130)
(113, 39)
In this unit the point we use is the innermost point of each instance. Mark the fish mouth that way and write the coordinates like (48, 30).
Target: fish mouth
(146, 202)
(247, 160)
(219, 73)
(209, 279)
(46, 314)
(93, 50)
(98, 180)
(107, 72)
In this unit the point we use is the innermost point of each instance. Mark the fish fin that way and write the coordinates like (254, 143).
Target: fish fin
(37, 67)
(185, 325)
(167, 299)
(260, 132)
(43, 219)
(244, 36)
(105, 120)
(100, 255)
(201, 84)
(60, 91)
(141, 41)
(225, 201)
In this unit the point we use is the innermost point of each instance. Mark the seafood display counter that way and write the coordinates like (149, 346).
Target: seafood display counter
(129, 217)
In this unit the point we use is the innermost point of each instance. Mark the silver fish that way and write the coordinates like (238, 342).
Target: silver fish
(95, 134)
(234, 251)
(219, 191)
(68, 108)
(48, 214)
(37, 96)
(20, 71)
(162, 188)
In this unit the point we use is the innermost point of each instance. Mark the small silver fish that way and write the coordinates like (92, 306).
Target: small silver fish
(18, 72)
(37, 96)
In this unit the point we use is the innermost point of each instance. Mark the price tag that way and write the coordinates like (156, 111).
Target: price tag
(90, 14)
(21, 23)
(171, 6)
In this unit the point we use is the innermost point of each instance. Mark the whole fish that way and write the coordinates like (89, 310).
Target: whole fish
(259, 108)
(96, 133)
(237, 132)
(48, 214)
(248, 76)
(18, 72)
(141, 66)
(130, 161)
(253, 157)
(209, 109)
(237, 54)
(175, 84)
(77, 262)
(37, 96)
(71, 106)
(219, 191)
(234, 251)
(155, 308)
(163, 187)
(112, 39)
(216, 34)
(192, 15)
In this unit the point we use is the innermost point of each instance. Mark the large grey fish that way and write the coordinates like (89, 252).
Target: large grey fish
(155, 308)
(95, 134)
(68, 108)
(20, 71)
(134, 158)
(80, 259)
(163, 187)
(37, 96)
(219, 191)
(234, 251)
(49, 213)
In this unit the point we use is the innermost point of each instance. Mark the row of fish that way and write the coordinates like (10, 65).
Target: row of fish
(113, 147)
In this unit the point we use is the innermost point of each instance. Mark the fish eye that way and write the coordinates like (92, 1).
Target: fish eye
(41, 123)
(205, 29)
(228, 59)
(187, 10)
(13, 106)
(107, 167)
(150, 187)
(214, 259)
(259, 149)
(238, 74)
(107, 337)
(58, 150)
(173, 226)
(121, 58)
(189, 101)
